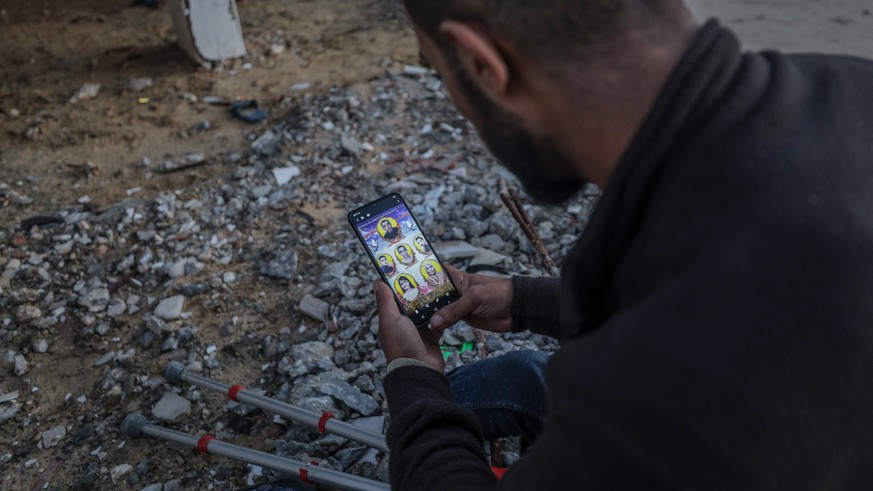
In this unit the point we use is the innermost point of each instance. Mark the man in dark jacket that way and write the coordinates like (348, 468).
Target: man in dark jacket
(716, 316)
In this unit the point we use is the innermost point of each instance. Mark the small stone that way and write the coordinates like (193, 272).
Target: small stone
(314, 307)
(170, 308)
(229, 277)
(283, 265)
(351, 145)
(138, 84)
(373, 423)
(177, 269)
(493, 242)
(330, 384)
(21, 366)
(455, 249)
(171, 407)
(9, 396)
(348, 456)
(8, 411)
(27, 313)
(310, 353)
(106, 358)
(153, 487)
(122, 356)
(415, 71)
(155, 325)
(487, 258)
(52, 437)
(146, 339)
(116, 308)
(504, 226)
(87, 91)
(261, 191)
(284, 175)
(267, 144)
(40, 346)
(119, 471)
(102, 328)
(334, 273)
(95, 300)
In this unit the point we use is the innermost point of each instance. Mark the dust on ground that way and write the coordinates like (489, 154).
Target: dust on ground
(61, 151)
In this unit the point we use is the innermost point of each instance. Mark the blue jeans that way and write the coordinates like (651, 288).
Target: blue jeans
(506, 393)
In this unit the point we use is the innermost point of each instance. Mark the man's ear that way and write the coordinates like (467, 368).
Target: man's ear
(479, 56)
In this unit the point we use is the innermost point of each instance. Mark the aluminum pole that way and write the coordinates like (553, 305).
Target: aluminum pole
(135, 425)
(175, 372)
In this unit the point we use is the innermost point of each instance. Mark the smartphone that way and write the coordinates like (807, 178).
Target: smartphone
(404, 257)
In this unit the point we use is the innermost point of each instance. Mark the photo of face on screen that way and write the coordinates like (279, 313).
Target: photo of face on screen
(407, 261)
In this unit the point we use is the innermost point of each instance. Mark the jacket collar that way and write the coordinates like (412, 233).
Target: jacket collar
(694, 89)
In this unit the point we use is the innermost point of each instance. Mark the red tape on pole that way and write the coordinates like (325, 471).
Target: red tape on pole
(304, 472)
(498, 472)
(203, 443)
(323, 421)
(234, 391)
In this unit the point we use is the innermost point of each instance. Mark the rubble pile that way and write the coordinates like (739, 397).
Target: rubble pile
(213, 276)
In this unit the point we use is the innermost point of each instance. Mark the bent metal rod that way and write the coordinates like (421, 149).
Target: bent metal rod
(175, 373)
(135, 425)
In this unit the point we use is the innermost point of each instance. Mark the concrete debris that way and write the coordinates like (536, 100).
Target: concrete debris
(52, 437)
(87, 91)
(171, 408)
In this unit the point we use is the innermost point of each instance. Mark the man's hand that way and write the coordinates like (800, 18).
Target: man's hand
(398, 336)
(485, 303)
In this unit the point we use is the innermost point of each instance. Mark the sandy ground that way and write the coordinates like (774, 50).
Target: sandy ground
(815, 26)
(60, 152)
(56, 152)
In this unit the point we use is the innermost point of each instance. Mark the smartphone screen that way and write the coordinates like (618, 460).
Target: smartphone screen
(404, 257)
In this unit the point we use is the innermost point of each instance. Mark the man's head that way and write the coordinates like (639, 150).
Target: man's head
(420, 241)
(385, 224)
(383, 261)
(504, 61)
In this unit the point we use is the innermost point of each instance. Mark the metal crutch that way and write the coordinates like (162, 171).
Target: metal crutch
(175, 373)
(136, 425)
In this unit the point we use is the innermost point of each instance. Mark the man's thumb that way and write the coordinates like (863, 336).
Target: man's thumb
(384, 299)
(452, 313)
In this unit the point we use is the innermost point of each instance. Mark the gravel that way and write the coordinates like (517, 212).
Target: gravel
(212, 275)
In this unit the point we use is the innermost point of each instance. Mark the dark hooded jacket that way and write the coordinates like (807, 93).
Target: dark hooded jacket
(716, 316)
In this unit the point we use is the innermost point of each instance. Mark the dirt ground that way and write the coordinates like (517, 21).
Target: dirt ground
(55, 152)
(60, 151)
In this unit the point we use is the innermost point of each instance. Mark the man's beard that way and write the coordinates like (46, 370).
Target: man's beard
(548, 176)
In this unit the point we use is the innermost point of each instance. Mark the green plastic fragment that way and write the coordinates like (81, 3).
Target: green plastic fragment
(447, 352)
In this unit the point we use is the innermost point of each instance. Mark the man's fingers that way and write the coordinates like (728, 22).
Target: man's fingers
(385, 303)
(457, 277)
(454, 312)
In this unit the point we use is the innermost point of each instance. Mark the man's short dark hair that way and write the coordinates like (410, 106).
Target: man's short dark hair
(554, 30)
